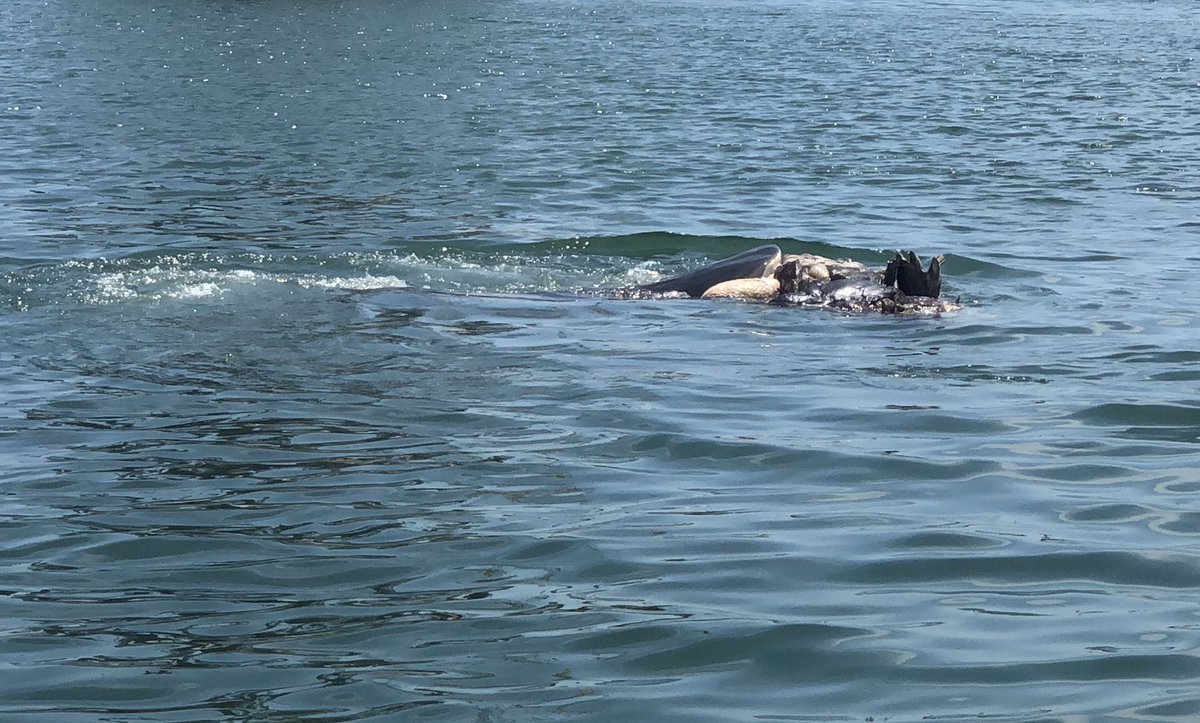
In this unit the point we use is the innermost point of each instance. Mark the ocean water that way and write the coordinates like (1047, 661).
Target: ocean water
(310, 411)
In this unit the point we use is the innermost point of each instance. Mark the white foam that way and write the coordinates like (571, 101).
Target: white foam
(113, 287)
(357, 283)
(173, 280)
(642, 274)
(197, 291)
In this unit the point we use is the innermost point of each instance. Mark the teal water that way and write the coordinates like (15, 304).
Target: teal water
(309, 410)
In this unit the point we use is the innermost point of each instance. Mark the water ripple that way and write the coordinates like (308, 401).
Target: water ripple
(313, 375)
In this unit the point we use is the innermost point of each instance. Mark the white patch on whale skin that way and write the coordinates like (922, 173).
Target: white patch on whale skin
(754, 289)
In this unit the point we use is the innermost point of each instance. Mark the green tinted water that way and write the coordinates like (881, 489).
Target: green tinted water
(308, 411)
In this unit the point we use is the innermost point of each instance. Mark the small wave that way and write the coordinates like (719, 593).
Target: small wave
(1147, 570)
(1156, 415)
(1163, 421)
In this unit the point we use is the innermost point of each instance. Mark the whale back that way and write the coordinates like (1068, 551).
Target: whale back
(752, 264)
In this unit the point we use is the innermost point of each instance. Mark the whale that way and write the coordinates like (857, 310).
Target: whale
(766, 274)
(759, 262)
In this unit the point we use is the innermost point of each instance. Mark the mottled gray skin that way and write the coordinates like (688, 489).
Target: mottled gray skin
(863, 294)
(903, 287)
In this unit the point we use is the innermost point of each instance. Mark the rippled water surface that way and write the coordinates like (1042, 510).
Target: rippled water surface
(310, 411)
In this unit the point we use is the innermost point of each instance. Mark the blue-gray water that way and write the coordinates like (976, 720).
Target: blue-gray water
(306, 413)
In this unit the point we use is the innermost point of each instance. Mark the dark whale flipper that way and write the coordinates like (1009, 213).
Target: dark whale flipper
(907, 275)
(755, 263)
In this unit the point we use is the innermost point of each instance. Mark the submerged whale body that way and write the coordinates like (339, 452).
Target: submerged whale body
(756, 263)
(766, 274)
